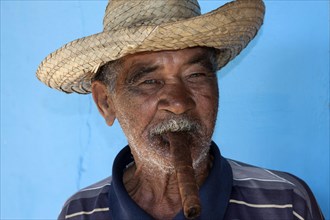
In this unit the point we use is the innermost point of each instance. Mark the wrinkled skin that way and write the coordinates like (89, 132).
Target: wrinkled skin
(151, 88)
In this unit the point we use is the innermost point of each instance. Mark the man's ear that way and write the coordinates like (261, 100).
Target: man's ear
(104, 102)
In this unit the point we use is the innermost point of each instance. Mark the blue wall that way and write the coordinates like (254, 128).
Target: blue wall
(274, 108)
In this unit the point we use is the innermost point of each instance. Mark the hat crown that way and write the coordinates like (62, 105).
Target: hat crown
(134, 13)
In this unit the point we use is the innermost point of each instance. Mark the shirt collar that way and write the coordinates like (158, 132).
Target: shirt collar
(214, 193)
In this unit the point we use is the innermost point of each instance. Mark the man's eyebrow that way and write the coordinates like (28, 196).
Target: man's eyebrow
(204, 59)
(140, 70)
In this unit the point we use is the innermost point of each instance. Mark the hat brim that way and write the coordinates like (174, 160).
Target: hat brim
(229, 28)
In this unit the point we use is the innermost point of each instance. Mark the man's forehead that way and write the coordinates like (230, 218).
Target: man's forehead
(188, 55)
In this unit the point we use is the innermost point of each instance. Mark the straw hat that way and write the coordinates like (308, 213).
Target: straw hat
(132, 26)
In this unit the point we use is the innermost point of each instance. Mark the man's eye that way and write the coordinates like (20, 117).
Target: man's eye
(194, 75)
(150, 81)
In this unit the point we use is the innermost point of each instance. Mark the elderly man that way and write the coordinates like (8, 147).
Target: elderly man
(153, 68)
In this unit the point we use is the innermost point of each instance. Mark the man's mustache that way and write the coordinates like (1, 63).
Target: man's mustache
(181, 124)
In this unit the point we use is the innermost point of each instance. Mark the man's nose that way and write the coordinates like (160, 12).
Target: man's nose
(176, 98)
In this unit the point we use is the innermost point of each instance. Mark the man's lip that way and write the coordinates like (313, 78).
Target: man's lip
(163, 138)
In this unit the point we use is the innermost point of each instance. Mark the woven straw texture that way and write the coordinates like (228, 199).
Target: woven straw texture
(151, 25)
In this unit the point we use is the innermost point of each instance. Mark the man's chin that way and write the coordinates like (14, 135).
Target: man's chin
(157, 156)
(157, 163)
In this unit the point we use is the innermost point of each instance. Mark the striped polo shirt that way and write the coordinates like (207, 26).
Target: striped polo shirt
(233, 190)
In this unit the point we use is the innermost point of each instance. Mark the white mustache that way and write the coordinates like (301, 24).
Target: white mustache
(175, 125)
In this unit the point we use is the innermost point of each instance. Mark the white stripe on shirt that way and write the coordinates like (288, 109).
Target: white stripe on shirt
(87, 213)
(261, 205)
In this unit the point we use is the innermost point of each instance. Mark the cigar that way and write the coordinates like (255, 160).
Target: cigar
(180, 149)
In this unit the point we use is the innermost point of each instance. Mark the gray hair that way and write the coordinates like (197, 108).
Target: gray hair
(108, 73)
(182, 124)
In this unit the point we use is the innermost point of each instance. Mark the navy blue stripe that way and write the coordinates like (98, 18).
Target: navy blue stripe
(262, 196)
(237, 211)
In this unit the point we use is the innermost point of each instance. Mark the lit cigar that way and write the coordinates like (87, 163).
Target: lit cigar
(180, 149)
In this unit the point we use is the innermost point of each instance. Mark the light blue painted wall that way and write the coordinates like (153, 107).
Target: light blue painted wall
(274, 108)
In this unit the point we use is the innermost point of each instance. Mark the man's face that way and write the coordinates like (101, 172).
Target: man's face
(158, 90)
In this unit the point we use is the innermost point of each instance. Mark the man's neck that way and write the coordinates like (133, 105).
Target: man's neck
(157, 192)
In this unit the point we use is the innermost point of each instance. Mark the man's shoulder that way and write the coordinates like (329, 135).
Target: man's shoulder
(259, 188)
(92, 200)
(246, 175)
